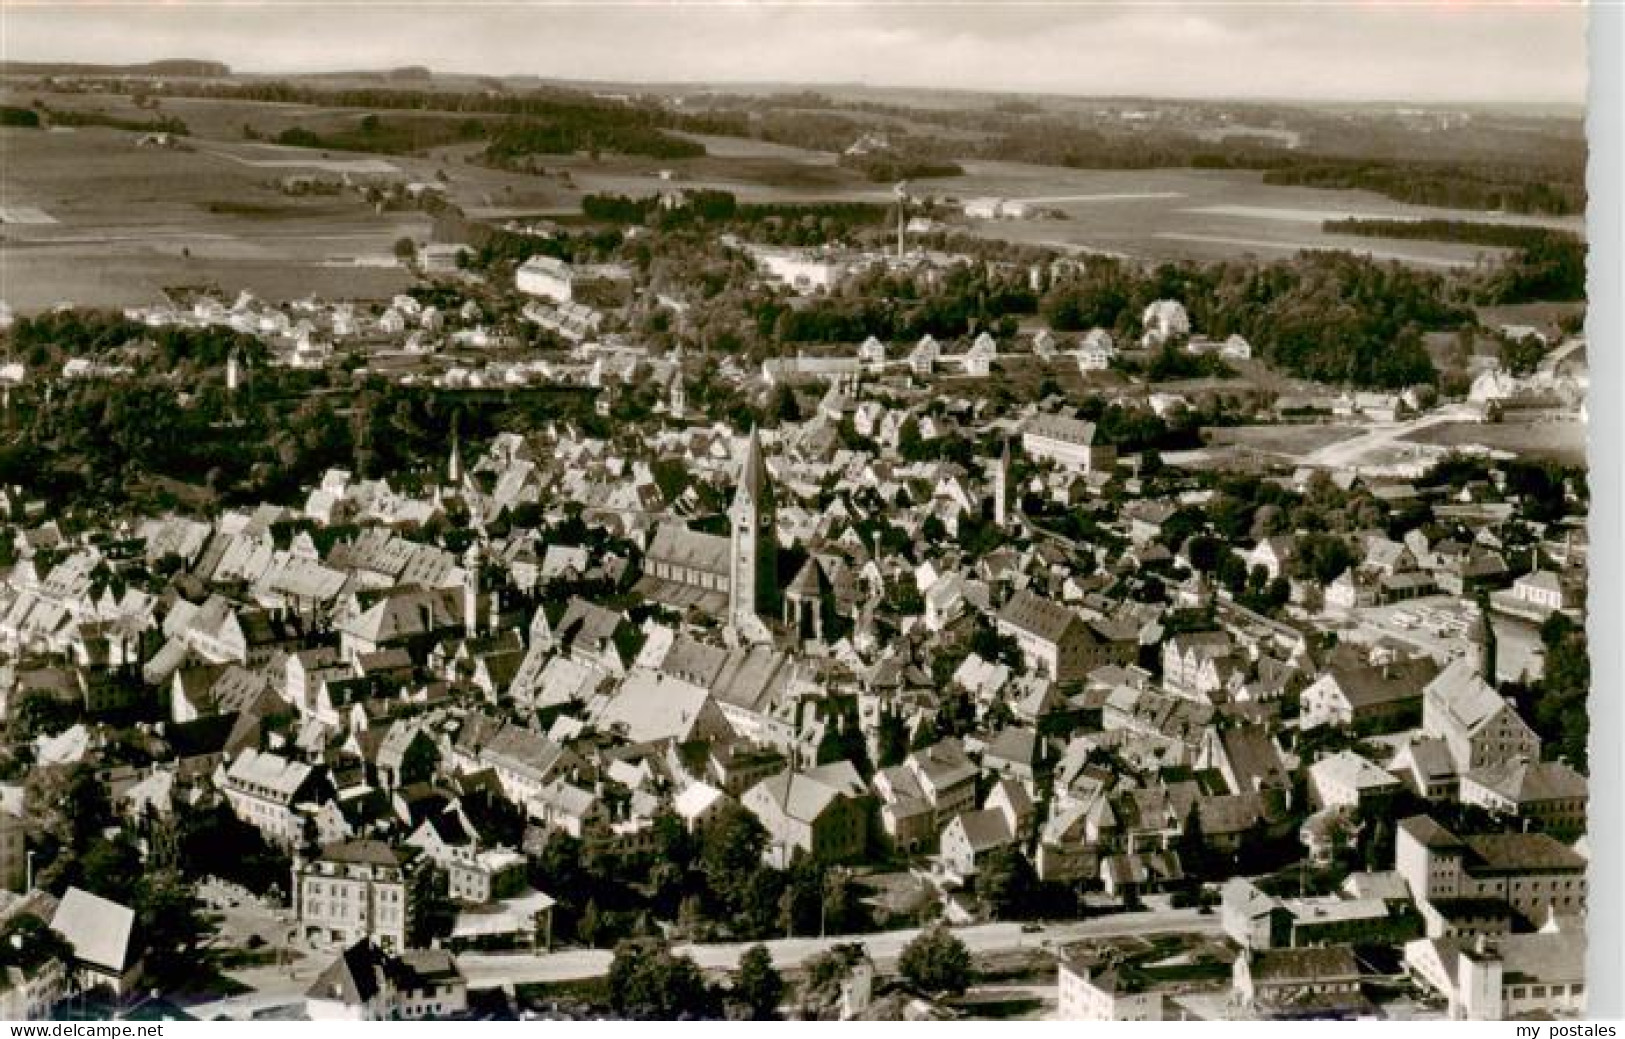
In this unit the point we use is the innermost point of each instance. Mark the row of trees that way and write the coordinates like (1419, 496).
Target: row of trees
(649, 982)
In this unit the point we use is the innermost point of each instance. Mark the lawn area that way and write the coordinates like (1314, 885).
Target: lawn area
(1290, 441)
(1558, 441)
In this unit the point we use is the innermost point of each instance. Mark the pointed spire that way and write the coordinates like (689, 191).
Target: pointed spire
(753, 470)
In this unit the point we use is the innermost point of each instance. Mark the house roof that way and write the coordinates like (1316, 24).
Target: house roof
(804, 796)
(1463, 696)
(1039, 616)
(1062, 427)
(1430, 834)
(1520, 852)
(367, 853)
(99, 929)
(655, 706)
(1319, 964)
(984, 829)
(1523, 781)
(265, 771)
(1350, 769)
(1372, 685)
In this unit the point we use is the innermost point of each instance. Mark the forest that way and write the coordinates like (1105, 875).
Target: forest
(1333, 317)
(391, 136)
(1546, 264)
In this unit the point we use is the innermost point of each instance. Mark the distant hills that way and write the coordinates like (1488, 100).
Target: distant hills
(173, 67)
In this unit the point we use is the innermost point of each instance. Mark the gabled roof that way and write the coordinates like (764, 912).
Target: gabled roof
(368, 853)
(804, 796)
(99, 929)
(1463, 696)
(1523, 781)
(1372, 685)
(984, 829)
(1040, 617)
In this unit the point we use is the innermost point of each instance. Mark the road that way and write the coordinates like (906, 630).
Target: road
(484, 971)
(275, 987)
(1382, 437)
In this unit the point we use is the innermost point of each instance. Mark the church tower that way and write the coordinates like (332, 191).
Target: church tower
(754, 561)
(1001, 488)
(472, 563)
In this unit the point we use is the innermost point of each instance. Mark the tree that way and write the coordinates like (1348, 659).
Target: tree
(1193, 850)
(892, 739)
(1379, 847)
(1007, 883)
(591, 926)
(405, 249)
(647, 982)
(731, 847)
(936, 962)
(39, 712)
(27, 942)
(785, 406)
(172, 928)
(759, 985)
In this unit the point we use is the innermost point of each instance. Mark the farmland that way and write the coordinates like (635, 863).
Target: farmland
(210, 212)
(153, 217)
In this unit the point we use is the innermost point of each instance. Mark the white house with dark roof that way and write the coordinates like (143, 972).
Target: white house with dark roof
(822, 812)
(1533, 873)
(1068, 442)
(1522, 976)
(1544, 795)
(368, 983)
(269, 793)
(1088, 991)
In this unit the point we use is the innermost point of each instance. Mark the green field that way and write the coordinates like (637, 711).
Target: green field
(1289, 441)
(1559, 441)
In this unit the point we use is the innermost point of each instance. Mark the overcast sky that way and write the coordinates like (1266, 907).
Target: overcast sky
(1470, 50)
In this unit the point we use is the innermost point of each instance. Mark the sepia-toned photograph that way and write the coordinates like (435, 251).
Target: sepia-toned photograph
(898, 511)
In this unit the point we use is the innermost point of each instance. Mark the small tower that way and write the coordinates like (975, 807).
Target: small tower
(472, 562)
(1001, 488)
(454, 465)
(679, 396)
(234, 374)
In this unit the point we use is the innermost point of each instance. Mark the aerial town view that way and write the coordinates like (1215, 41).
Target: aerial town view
(623, 535)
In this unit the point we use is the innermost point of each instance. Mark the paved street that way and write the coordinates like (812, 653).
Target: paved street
(276, 987)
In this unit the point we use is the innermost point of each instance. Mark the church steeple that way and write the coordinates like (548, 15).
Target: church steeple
(1001, 488)
(454, 465)
(753, 568)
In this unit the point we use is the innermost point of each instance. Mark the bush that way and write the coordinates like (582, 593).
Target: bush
(937, 962)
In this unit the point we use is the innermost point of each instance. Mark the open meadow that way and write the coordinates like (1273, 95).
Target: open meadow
(127, 221)
(1544, 439)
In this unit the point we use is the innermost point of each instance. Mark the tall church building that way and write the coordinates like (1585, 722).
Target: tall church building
(754, 550)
